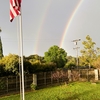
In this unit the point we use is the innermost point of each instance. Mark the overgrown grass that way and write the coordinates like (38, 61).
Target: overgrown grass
(72, 91)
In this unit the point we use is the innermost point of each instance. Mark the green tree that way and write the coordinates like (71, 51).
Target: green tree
(89, 53)
(11, 63)
(2, 70)
(34, 58)
(96, 62)
(70, 62)
(1, 50)
(0, 30)
(27, 66)
(56, 55)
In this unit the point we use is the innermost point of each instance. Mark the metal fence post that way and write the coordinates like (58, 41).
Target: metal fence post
(51, 78)
(7, 84)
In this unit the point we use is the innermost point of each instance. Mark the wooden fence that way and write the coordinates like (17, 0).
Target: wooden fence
(49, 78)
(12, 83)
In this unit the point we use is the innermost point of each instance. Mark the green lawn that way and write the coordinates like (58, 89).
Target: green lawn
(72, 91)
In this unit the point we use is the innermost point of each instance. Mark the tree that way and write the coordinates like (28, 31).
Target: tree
(34, 58)
(89, 53)
(2, 70)
(70, 62)
(27, 66)
(1, 50)
(0, 30)
(11, 63)
(96, 63)
(56, 55)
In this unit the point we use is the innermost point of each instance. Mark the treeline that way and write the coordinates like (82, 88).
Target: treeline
(53, 59)
(10, 65)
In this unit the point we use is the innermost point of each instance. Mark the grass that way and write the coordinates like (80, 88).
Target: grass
(72, 91)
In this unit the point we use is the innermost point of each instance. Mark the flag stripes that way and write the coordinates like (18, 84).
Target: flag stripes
(15, 6)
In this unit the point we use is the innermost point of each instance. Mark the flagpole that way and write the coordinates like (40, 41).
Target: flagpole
(21, 53)
(15, 10)
(20, 73)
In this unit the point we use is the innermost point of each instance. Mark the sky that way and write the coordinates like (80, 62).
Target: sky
(46, 23)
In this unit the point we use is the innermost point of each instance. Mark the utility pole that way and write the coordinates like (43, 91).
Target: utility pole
(76, 44)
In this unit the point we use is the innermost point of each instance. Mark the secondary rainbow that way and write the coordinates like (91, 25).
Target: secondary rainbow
(43, 17)
(69, 22)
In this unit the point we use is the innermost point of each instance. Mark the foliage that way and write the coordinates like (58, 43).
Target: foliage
(27, 66)
(48, 67)
(10, 63)
(1, 50)
(37, 64)
(70, 62)
(2, 70)
(33, 86)
(0, 30)
(33, 58)
(56, 55)
(89, 53)
(60, 75)
(2, 84)
(41, 67)
(96, 63)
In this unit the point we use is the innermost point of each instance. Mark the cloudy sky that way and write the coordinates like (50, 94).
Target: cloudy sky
(50, 22)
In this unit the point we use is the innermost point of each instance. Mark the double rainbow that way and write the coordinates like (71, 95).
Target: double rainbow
(65, 29)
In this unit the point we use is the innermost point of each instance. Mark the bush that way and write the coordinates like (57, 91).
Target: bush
(42, 67)
(2, 84)
(33, 86)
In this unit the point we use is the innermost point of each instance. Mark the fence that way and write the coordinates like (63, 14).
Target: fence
(49, 78)
(12, 83)
(83, 75)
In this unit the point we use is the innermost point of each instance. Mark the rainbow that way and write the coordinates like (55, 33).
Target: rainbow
(43, 17)
(69, 23)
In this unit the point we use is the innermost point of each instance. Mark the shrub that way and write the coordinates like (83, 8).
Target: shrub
(33, 86)
(2, 84)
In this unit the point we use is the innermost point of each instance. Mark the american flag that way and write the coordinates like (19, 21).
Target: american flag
(15, 6)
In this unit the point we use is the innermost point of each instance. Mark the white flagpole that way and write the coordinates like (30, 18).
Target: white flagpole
(21, 52)
(20, 73)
